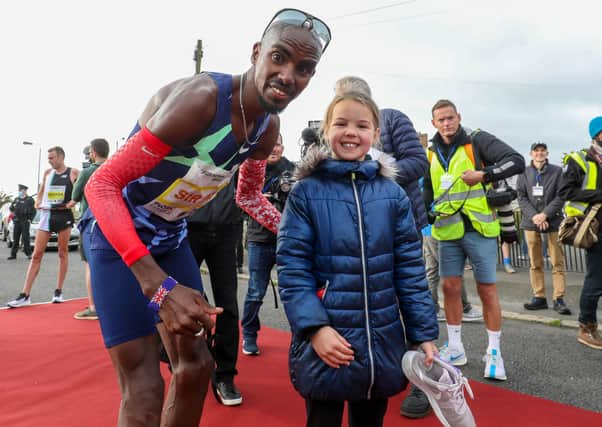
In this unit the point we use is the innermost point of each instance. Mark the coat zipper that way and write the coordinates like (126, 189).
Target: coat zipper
(365, 281)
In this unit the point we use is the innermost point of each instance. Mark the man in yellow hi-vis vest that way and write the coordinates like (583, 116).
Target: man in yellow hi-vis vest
(462, 167)
(581, 187)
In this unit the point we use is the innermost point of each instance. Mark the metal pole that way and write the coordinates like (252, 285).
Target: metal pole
(39, 165)
(198, 56)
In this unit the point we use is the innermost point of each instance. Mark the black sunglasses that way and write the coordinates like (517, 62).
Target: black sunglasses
(305, 20)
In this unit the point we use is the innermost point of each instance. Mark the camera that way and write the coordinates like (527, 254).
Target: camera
(281, 188)
(432, 217)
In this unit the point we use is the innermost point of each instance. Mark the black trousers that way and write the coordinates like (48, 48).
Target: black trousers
(592, 285)
(21, 232)
(329, 413)
(216, 245)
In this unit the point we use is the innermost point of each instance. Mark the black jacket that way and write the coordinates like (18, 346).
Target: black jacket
(23, 208)
(256, 232)
(499, 160)
(399, 139)
(550, 203)
(570, 185)
(222, 210)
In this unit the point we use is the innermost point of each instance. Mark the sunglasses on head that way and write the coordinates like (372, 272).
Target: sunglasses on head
(305, 20)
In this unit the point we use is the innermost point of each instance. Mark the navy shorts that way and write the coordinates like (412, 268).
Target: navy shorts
(121, 306)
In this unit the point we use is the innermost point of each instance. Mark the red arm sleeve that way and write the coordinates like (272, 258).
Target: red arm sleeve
(249, 197)
(138, 156)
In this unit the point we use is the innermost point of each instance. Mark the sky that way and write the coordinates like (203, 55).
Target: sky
(73, 71)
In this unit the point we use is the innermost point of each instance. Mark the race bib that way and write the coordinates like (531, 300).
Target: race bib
(56, 194)
(194, 190)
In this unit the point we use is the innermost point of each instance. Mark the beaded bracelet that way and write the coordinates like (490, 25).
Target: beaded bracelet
(159, 297)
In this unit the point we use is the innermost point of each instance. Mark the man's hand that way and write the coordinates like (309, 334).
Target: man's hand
(331, 347)
(185, 311)
(472, 177)
(430, 351)
(539, 218)
(70, 204)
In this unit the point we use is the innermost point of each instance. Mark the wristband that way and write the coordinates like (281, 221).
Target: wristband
(159, 297)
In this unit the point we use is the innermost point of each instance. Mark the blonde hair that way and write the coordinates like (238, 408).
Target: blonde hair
(359, 97)
(352, 84)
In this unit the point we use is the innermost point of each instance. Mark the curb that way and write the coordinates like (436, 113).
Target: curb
(533, 318)
(544, 320)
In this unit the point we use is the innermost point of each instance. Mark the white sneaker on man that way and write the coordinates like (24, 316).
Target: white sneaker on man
(472, 315)
(453, 355)
(443, 385)
(494, 365)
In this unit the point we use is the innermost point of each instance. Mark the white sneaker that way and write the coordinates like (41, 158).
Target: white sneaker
(454, 356)
(443, 385)
(57, 297)
(441, 315)
(494, 365)
(21, 301)
(472, 315)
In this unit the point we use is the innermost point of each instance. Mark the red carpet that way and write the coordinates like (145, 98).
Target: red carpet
(57, 373)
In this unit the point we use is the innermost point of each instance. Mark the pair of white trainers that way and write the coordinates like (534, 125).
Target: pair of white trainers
(443, 384)
(494, 364)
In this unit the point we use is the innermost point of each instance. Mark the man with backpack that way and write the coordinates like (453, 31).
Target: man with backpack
(462, 168)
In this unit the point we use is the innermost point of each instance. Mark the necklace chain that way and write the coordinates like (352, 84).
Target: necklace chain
(242, 112)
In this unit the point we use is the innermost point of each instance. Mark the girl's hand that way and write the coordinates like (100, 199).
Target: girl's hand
(331, 347)
(430, 351)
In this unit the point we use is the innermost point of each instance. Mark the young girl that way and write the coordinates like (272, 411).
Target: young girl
(349, 271)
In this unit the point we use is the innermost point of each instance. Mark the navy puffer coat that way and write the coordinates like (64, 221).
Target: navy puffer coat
(399, 139)
(348, 228)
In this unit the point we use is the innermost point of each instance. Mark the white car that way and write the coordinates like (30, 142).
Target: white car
(33, 229)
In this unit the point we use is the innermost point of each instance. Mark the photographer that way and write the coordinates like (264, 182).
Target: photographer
(462, 166)
(309, 138)
(262, 245)
(541, 208)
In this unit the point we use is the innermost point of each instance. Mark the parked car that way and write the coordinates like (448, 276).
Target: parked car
(5, 216)
(33, 229)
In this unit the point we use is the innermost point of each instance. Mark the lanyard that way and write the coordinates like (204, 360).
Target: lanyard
(444, 160)
(538, 179)
(268, 184)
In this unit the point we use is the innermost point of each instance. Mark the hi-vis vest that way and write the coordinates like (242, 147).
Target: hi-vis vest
(472, 200)
(589, 182)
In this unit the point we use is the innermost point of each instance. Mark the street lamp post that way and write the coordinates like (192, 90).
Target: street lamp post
(39, 161)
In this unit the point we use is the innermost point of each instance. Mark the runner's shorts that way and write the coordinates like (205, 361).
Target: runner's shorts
(121, 306)
(55, 220)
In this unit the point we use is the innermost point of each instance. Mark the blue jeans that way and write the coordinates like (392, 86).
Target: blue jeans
(592, 285)
(262, 257)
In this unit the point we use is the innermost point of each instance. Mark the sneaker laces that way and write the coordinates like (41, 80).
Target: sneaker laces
(457, 389)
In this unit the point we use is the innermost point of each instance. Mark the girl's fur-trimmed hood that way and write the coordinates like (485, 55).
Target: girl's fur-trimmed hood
(318, 154)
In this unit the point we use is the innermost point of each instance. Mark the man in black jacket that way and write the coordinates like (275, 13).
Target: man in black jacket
(262, 247)
(541, 208)
(214, 232)
(24, 212)
(581, 187)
